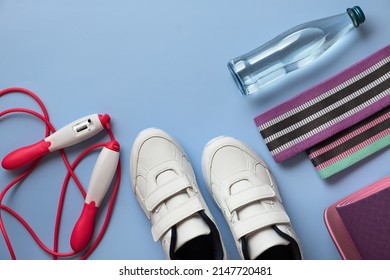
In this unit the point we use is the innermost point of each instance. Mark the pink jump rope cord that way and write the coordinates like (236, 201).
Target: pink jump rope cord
(70, 174)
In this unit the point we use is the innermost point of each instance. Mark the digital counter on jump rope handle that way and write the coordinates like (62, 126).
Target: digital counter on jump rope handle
(68, 135)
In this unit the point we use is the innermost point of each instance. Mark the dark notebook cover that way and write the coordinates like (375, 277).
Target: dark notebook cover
(368, 223)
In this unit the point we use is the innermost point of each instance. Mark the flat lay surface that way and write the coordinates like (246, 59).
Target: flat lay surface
(163, 64)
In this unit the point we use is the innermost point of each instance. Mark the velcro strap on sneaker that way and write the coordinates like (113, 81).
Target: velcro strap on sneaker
(176, 215)
(166, 190)
(327, 108)
(249, 195)
(256, 222)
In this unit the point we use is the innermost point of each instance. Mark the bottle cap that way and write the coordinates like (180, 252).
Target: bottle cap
(357, 15)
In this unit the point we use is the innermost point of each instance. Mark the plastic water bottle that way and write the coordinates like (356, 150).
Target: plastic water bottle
(291, 50)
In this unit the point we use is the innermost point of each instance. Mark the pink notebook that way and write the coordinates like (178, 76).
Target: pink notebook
(359, 224)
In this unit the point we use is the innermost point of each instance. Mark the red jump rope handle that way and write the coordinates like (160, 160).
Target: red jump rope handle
(102, 175)
(25, 155)
(83, 230)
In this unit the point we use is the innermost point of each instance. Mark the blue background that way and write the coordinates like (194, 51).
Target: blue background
(163, 64)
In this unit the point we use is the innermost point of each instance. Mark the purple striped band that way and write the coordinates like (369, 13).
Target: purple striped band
(324, 110)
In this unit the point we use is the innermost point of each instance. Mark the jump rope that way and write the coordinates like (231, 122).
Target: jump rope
(107, 167)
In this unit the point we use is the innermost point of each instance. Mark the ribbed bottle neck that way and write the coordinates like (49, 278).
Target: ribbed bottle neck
(357, 16)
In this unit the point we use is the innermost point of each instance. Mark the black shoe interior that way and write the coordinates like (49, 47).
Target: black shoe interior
(199, 248)
(203, 247)
(280, 252)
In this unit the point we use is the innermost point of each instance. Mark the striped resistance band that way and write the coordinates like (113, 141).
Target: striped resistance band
(328, 108)
(351, 145)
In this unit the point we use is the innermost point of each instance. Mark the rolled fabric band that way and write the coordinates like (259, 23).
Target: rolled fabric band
(351, 145)
(327, 108)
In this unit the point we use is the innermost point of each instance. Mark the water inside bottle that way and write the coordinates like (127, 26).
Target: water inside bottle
(273, 62)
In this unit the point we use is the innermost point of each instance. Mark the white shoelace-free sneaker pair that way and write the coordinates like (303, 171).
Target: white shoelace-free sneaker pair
(239, 181)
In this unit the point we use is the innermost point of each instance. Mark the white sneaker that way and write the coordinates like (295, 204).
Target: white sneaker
(165, 186)
(245, 191)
